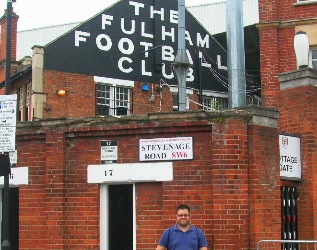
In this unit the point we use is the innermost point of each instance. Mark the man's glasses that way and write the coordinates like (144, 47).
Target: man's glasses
(182, 215)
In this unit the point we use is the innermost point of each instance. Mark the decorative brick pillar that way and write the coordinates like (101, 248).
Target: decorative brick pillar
(55, 189)
(298, 116)
(264, 176)
(3, 43)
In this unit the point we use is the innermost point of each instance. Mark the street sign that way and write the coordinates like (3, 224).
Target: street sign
(8, 104)
(109, 152)
(162, 149)
(18, 177)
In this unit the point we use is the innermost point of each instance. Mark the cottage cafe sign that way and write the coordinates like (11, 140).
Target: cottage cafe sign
(162, 149)
(290, 157)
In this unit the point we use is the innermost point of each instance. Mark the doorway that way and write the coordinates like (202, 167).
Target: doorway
(13, 217)
(120, 217)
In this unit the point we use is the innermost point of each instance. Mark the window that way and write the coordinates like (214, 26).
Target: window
(214, 103)
(112, 100)
(28, 101)
(20, 104)
(24, 102)
(314, 58)
(254, 100)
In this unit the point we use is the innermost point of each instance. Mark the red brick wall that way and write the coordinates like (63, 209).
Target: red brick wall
(275, 10)
(264, 181)
(14, 26)
(267, 10)
(286, 10)
(162, 99)
(230, 193)
(269, 66)
(277, 56)
(80, 101)
(277, 42)
(59, 210)
(3, 44)
(298, 117)
(32, 208)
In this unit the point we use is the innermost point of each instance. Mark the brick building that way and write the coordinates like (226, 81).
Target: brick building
(291, 91)
(229, 173)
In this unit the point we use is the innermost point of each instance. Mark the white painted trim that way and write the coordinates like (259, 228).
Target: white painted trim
(134, 217)
(214, 94)
(113, 81)
(1, 210)
(175, 90)
(104, 215)
(130, 173)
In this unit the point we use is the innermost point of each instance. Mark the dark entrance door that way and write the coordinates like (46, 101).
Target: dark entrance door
(13, 218)
(121, 217)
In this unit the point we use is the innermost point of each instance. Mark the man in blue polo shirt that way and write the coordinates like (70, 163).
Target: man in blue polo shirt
(182, 236)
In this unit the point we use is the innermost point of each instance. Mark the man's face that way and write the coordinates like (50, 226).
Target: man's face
(183, 217)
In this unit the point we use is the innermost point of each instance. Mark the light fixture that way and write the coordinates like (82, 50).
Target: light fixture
(61, 92)
(145, 87)
(301, 46)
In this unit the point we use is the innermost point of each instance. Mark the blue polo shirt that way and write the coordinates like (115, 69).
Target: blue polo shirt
(175, 239)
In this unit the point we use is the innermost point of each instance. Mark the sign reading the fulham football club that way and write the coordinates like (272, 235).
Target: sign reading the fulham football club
(138, 41)
(162, 149)
(290, 157)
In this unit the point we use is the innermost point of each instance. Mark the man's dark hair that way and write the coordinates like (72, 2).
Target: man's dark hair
(183, 206)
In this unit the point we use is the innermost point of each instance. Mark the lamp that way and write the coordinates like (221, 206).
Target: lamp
(301, 46)
(145, 87)
(61, 92)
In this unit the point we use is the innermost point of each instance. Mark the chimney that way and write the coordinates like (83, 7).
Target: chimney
(3, 31)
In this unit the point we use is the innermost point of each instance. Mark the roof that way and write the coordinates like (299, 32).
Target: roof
(213, 16)
(18, 75)
(26, 39)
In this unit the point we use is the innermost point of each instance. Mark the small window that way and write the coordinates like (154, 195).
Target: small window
(20, 104)
(28, 102)
(214, 103)
(254, 100)
(112, 100)
(24, 102)
(314, 58)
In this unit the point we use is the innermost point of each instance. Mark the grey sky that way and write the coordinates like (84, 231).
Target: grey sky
(41, 13)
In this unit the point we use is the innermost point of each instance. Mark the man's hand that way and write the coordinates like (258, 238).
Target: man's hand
(162, 248)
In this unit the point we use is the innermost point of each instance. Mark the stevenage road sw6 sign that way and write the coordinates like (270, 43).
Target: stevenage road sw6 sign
(162, 149)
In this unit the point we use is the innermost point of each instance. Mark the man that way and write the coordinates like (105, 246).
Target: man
(182, 236)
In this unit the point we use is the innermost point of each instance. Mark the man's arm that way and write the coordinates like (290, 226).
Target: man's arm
(164, 248)
(203, 248)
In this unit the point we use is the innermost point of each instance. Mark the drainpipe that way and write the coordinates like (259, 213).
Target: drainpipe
(236, 54)
(181, 63)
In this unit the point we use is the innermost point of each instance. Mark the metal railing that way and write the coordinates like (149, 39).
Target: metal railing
(289, 244)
